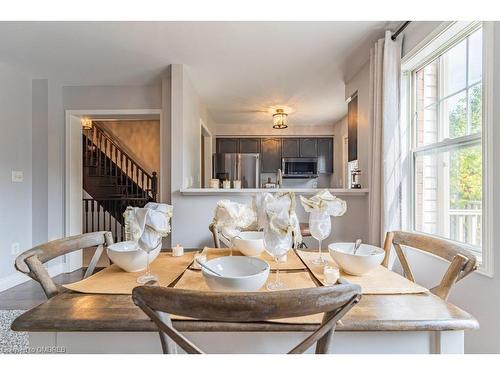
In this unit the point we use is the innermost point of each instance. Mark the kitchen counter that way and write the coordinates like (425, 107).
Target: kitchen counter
(253, 191)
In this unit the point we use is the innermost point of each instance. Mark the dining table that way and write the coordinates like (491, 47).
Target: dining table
(86, 318)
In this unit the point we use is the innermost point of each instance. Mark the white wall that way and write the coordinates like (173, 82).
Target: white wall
(15, 154)
(339, 133)
(34, 140)
(187, 110)
(193, 214)
(40, 126)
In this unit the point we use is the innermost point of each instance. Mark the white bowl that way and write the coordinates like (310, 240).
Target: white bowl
(366, 259)
(250, 243)
(238, 274)
(129, 257)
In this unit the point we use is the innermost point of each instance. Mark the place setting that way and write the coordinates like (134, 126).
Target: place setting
(265, 259)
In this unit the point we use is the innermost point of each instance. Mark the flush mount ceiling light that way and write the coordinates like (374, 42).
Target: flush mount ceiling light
(86, 123)
(280, 119)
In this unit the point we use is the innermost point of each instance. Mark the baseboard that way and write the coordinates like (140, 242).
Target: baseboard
(19, 278)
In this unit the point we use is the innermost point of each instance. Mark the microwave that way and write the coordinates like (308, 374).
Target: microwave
(299, 167)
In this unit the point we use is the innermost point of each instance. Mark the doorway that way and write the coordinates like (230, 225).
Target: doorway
(108, 159)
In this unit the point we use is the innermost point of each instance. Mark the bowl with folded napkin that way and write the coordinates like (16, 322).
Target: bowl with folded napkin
(129, 257)
(235, 273)
(250, 243)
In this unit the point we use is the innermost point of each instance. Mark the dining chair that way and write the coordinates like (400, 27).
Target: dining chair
(219, 237)
(244, 307)
(305, 232)
(31, 261)
(462, 261)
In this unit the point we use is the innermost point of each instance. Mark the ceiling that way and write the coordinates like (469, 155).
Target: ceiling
(239, 69)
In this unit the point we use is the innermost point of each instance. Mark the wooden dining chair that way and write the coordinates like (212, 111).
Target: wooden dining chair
(333, 301)
(215, 235)
(462, 261)
(219, 238)
(31, 261)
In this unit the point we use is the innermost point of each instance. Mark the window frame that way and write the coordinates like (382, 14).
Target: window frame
(438, 42)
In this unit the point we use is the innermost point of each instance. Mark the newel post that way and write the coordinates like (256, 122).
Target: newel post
(154, 186)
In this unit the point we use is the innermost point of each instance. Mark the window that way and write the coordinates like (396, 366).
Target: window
(447, 151)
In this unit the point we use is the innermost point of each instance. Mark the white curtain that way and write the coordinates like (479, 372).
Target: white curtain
(385, 207)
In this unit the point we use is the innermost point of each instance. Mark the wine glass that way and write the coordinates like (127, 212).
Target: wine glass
(148, 277)
(320, 226)
(277, 245)
(230, 233)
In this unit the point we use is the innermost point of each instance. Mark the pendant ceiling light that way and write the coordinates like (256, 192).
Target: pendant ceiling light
(280, 119)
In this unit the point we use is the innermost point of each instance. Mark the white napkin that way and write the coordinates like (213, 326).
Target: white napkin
(231, 216)
(276, 213)
(150, 223)
(324, 201)
(259, 202)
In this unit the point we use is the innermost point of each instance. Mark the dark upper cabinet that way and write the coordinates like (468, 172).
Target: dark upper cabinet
(325, 155)
(290, 147)
(273, 149)
(270, 155)
(308, 147)
(227, 145)
(249, 145)
(352, 129)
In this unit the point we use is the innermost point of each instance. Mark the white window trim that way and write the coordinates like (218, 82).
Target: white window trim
(446, 35)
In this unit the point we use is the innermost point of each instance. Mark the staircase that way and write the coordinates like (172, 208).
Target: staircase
(113, 180)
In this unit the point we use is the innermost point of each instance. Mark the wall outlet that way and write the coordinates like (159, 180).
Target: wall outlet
(14, 248)
(17, 176)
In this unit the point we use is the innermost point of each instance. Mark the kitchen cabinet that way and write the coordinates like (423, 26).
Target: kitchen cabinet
(308, 147)
(270, 155)
(290, 147)
(273, 149)
(352, 129)
(227, 145)
(249, 145)
(325, 155)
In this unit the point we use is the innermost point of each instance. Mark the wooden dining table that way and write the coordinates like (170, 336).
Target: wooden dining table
(382, 323)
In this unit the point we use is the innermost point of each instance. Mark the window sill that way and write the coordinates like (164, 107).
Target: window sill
(482, 269)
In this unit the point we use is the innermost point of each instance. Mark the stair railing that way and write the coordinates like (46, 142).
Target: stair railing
(107, 215)
(125, 168)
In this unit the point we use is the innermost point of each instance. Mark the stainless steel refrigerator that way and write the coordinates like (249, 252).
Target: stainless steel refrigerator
(243, 167)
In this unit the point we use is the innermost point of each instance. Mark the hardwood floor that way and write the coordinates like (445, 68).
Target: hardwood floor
(29, 294)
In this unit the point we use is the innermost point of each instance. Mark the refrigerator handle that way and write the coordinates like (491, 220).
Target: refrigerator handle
(257, 171)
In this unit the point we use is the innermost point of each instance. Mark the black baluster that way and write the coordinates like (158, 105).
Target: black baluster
(92, 204)
(98, 216)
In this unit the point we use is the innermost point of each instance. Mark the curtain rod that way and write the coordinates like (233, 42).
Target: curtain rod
(400, 30)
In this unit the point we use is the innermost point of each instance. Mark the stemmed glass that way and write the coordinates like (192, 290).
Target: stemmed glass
(277, 246)
(148, 276)
(320, 226)
(230, 233)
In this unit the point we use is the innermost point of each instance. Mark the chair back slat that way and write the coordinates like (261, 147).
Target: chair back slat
(219, 238)
(31, 261)
(245, 307)
(215, 234)
(462, 261)
(248, 306)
